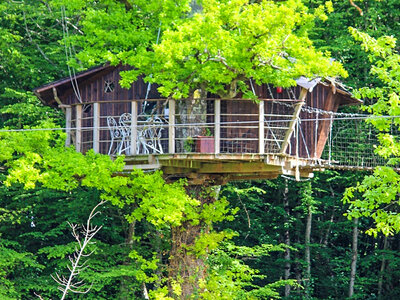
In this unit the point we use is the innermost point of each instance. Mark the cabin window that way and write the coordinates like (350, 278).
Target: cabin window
(109, 86)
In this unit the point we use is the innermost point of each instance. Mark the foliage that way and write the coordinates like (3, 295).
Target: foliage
(218, 48)
(43, 185)
(30, 56)
(231, 42)
(378, 18)
(231, 278)
(377, 195)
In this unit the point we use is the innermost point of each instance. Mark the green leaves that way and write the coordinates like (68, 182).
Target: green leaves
(377, 195)
(231, 42)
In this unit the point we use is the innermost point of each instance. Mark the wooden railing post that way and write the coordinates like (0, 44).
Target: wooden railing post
(78, 125)
(261, 132)
(96, 127)
(68, 124)
(134, 127)
(217, 126)
(171, 126)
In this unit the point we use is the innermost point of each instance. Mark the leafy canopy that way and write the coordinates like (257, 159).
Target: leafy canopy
(377, 196)
(217, 49)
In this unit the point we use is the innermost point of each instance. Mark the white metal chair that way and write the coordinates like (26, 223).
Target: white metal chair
(125, 121)
(151, 134)
(148, 135)
(115, 134)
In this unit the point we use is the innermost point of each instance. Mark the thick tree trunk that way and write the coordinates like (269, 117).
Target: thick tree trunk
(190, 111)
(307, 256)
(353, 258)
(382, 269)
(185, 266)
(287, 237)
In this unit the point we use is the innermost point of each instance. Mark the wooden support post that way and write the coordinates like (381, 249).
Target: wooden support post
(134, 127)
(96, 127)
(293, 122)
(325, 124)
(171, 126)
(261, 130)
(217, 125)
(68, 124)
(78, 125)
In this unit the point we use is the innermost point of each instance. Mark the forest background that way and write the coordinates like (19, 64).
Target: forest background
(244, 250)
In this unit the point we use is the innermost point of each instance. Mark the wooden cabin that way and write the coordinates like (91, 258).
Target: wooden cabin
(208, 139)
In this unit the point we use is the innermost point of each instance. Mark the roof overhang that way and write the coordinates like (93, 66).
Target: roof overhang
(346, 98)
(46, 93)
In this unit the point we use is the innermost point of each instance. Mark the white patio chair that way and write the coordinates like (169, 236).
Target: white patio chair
(115, 134)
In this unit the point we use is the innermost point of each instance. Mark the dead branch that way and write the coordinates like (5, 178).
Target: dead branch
(357, 7)
(88, 232)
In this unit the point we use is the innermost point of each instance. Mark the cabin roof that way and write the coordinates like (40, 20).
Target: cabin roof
(46, 93)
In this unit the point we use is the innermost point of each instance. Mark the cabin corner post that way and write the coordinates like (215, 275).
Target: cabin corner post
(96, 127)
(171, 126)
(294, 121)
(134, 128)
(217, 126)
(68, 125)
(325, 124)
(78, 129)
(261, 129)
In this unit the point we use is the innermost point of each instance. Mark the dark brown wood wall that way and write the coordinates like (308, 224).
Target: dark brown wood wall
(92, 88)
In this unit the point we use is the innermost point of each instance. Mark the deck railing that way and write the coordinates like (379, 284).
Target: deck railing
(220, 126)
(160, 126)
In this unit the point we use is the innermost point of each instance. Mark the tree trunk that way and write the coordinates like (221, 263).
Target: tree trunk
(287, 237)
(190, 111)
(382, 269)
(125, 281)
(353, 258)
(184, 266)
(307, 255)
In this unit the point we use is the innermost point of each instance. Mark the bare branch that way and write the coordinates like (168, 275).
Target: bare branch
(88, 232)
(356, 7)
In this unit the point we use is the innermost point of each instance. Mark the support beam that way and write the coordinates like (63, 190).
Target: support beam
(68, 125)
(217, 126)
(134, 128)
(293, 122)
(227, 168)
(189, 164)
(171, 126)
(78, 125)
(56, 98)
(261, 132)
(96, 127)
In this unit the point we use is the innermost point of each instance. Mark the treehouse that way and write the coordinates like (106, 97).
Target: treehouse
(285, 132)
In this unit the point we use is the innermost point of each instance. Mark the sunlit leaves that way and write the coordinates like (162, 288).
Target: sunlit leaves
(231, 42)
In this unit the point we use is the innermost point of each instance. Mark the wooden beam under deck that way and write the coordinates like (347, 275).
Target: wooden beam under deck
(221, 167)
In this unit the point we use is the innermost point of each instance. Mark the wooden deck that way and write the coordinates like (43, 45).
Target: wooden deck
(220, 168)
(248, 140)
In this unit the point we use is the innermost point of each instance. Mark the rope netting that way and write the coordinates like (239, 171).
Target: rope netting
(352, 139)
(353, 143)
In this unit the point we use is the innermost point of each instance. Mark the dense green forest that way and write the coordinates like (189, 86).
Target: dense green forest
(334, 236)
